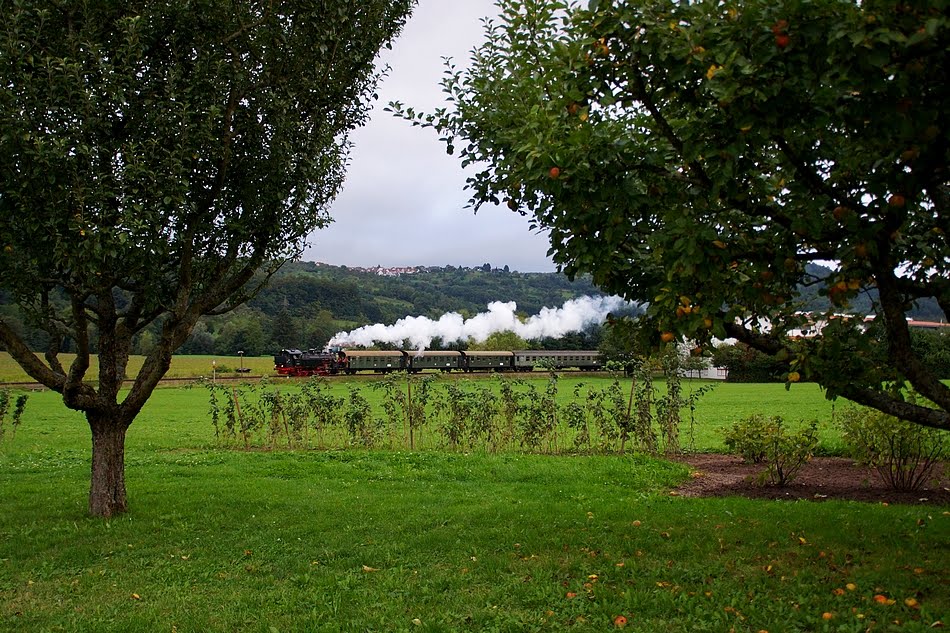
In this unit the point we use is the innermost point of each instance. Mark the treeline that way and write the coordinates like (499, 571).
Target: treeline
(306, 304)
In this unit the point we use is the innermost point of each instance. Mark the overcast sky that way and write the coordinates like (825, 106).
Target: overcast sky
(403, 203)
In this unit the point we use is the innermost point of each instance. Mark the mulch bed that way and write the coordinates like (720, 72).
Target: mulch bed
(823, 478)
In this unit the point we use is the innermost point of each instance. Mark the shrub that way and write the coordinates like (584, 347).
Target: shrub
(788, 453)
(747, 438)
(758, 439)
(904, 454)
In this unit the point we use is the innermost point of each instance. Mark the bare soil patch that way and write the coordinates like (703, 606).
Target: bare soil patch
(823, 478)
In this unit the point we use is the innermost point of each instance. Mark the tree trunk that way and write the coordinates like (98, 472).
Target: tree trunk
(107, 489)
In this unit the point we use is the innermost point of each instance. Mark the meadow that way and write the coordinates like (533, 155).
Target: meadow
(434, 540)
(182, 366)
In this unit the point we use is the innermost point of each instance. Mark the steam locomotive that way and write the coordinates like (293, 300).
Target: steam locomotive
(294, 362)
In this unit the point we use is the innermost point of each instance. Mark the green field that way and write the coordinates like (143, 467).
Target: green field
(178, 416)
(182, 366)
(356, 540)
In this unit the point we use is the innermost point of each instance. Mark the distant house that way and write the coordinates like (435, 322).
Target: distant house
(815, 326)
(927, 325)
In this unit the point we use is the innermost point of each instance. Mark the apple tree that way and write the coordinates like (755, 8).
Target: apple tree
(158, 161)
(702, 156)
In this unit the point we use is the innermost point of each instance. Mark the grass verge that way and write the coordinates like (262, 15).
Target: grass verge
(346, 541)
(431, 541)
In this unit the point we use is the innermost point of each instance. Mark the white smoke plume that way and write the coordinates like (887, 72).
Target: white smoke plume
(573, 316)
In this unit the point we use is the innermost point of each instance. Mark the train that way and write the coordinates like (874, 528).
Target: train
(294, 362)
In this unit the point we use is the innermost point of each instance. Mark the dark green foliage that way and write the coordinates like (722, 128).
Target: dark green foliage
(343, 298)
(539, 416)
(669, 407)
(706, 157)
(621, 344)
(468, 417)
(323, 300)
(158, 163)
(575, 415)
(483, 424)
(361, 425)
(904, 455)
(500, 341)
(325, 409)
(933, 347)
(748, 438)
(431, 292)
(629, 423)
(454, 408)
(305, 305)
(419, 412)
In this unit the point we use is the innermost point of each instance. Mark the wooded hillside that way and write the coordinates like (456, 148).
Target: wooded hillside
(307, 303)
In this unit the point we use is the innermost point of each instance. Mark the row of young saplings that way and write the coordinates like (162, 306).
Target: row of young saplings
(519, 416)
(419, 412)
(510, 414)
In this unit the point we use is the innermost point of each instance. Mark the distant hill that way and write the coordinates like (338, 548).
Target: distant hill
(306, 303)
(378, 295)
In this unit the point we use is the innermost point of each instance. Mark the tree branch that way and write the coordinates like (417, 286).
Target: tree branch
(666, 129)
(29, 361)
(76, 394)
(934, 418)
(816, 184)
(901, 350)
(766, 344)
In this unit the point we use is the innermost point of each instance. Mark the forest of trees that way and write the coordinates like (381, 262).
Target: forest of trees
(307, 303)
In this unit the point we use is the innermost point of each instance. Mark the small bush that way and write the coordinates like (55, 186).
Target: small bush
(788, 453)
(904, 454)
(748, 437)
(758, 439)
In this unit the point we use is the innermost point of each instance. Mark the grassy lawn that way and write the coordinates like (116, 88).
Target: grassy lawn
(359, 540)
(182, 366)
